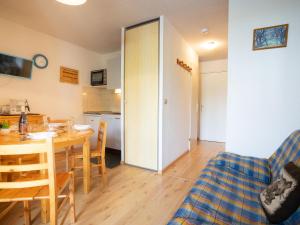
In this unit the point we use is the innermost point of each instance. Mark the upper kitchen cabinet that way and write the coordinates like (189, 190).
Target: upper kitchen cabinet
(114, 73)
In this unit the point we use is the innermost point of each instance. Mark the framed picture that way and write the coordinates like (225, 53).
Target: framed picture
(270, 37)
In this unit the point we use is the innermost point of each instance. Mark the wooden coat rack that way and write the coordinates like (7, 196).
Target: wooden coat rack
(184, 65)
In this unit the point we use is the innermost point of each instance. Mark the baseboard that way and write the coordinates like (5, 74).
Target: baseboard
(193, 142)
(172, 163)
(160, 172)
(139, 167)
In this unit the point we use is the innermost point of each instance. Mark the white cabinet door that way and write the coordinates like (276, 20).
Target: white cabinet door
(113, 139)
(114, 73)
(93, 121)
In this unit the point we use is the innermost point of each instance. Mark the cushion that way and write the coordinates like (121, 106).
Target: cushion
(289, 151)
(251, 167)
(282, 197)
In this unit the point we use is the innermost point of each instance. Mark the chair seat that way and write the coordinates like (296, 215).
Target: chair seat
(34, 193)
(78, 154)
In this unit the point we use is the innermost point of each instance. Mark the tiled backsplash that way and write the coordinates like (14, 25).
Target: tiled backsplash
(100, 99)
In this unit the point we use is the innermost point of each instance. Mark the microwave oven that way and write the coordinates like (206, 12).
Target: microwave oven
(99, 77)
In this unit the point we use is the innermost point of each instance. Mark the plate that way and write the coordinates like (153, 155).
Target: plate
(55, 125)
(81, 127)
(41, 135)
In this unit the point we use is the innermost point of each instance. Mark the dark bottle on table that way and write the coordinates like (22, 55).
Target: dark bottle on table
(23, 123)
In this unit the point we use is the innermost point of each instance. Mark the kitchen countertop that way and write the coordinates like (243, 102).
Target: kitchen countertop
(102, 113)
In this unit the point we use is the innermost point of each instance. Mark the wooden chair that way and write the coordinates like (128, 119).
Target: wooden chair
(56, 120)
(67, 150)
(39, 181)
(98, 153)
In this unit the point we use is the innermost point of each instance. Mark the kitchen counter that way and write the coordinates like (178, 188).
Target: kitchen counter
(102, 113)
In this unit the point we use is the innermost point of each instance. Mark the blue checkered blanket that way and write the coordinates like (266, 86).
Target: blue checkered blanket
(227, 190)
(253, 168)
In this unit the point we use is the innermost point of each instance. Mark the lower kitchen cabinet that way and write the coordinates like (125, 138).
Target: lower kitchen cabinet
(113, 139)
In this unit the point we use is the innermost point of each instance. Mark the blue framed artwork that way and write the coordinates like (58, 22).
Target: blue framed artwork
(270, 37)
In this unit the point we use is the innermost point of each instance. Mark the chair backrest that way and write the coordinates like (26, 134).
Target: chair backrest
(45, 167)
(287, 152)
(56, 120)
(101, 141)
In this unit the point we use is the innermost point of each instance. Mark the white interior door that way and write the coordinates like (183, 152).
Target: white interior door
(141, 95)
(213, 107)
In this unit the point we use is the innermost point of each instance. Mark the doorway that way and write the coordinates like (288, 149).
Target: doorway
(213, 104)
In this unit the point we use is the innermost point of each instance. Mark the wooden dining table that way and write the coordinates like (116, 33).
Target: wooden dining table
(62, 141)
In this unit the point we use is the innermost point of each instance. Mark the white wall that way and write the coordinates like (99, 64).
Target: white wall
(44, 91)
(102, 99)
(263, 86)
(214, 66)
(180, 89)
(111, 55)
(213, 100)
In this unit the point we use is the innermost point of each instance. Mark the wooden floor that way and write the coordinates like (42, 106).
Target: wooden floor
(135, 196)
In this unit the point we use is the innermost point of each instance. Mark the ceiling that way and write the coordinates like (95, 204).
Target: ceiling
(96, 24)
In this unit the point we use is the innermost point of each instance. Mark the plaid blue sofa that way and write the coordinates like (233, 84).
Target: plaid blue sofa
(227, 190)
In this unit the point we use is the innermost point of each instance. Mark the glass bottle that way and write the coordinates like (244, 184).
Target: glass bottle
(23, 122)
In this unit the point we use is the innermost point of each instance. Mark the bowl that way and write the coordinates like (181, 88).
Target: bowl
(5, 131)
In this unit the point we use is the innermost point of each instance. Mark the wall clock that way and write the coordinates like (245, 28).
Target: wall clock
(40, 61)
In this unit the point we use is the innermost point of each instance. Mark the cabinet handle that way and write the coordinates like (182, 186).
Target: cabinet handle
(117, 118)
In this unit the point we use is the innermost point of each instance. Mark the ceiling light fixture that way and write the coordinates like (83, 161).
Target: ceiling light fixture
(72, 2)
(210, 45)
(204, 31)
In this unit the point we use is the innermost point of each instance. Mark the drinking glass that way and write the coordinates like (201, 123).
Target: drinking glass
(70, 124)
